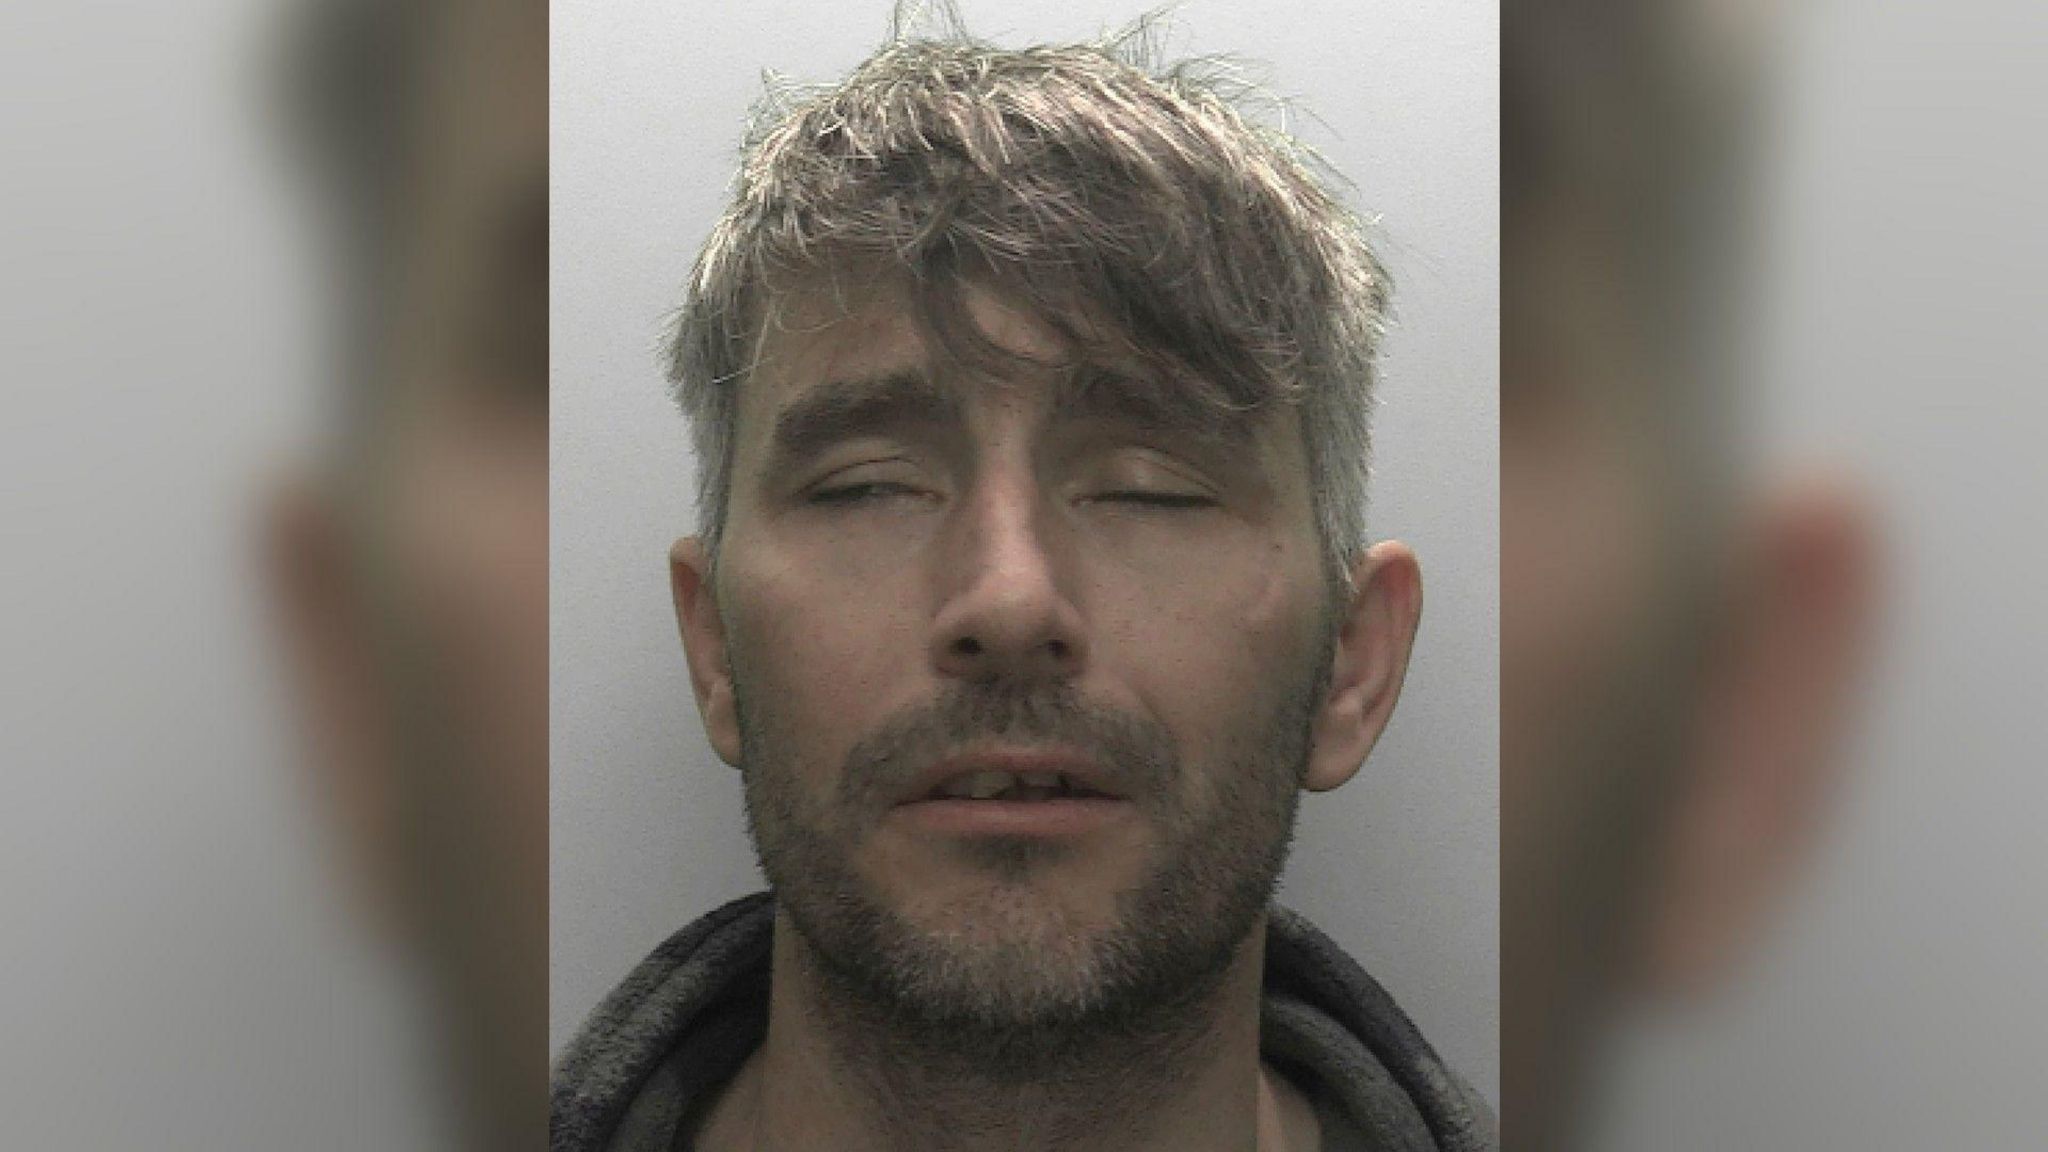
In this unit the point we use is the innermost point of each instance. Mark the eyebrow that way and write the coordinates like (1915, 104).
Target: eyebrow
(841, 409)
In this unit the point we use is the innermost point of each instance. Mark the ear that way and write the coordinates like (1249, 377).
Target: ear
(1370, 660)
(1778, 689)
(703, 630)
(324, 618)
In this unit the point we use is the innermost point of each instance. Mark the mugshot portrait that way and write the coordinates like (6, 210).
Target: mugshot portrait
(1115, 594)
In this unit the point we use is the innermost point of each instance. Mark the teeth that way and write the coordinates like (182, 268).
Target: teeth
(1040, 779)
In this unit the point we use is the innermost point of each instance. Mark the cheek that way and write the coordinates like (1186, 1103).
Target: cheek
(824, 646)
(1204, 649)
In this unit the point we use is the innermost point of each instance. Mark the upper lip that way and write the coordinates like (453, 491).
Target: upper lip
(1082, 770)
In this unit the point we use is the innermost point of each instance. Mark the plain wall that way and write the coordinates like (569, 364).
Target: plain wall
(648, 99)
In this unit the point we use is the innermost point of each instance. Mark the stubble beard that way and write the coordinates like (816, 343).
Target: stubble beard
(1012, 986)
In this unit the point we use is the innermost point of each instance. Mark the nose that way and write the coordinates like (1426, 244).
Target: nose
(1006, 613)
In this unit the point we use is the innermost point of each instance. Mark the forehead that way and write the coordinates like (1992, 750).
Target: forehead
(822, 339)
(820, 335)
(854, 329)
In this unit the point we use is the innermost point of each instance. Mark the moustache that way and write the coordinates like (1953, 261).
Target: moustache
(1135, 756)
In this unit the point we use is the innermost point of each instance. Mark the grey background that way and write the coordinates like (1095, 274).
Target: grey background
(648, 99)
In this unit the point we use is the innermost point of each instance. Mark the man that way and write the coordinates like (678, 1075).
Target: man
(1029, 392)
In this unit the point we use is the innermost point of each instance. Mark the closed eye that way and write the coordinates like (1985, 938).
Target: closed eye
(1159, 499)
(846, 494)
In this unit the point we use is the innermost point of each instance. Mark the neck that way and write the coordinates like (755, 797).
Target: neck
(837, 1073)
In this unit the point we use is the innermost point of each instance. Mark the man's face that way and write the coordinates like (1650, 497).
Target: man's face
(927, 572)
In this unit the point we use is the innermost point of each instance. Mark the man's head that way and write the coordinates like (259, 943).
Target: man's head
(1030, 392)
(1138, 213)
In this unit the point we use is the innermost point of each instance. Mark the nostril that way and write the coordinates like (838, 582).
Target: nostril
(967, 646)
(1058, 648)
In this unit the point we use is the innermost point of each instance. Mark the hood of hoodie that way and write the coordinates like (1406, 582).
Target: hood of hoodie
(659, 1048)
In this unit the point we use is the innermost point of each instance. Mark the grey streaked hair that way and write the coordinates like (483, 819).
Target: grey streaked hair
(1140, 210)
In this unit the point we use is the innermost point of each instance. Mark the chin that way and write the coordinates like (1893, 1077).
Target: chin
(1011, 891)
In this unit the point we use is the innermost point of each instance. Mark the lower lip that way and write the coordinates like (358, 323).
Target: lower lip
(1064, 816)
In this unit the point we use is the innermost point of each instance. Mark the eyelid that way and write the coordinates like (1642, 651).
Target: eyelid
(840, 472)
(1173, 491)
(852, 482)
(1173, 473)
(856, 493)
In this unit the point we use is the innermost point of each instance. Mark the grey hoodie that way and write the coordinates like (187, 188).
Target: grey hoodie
(654, 1055)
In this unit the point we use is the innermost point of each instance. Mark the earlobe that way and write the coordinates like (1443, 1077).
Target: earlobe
(1376, 633)
(704, 645)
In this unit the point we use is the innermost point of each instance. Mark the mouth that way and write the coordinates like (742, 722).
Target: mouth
(1014, 787)
(1014, 775)
(1015, 792)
